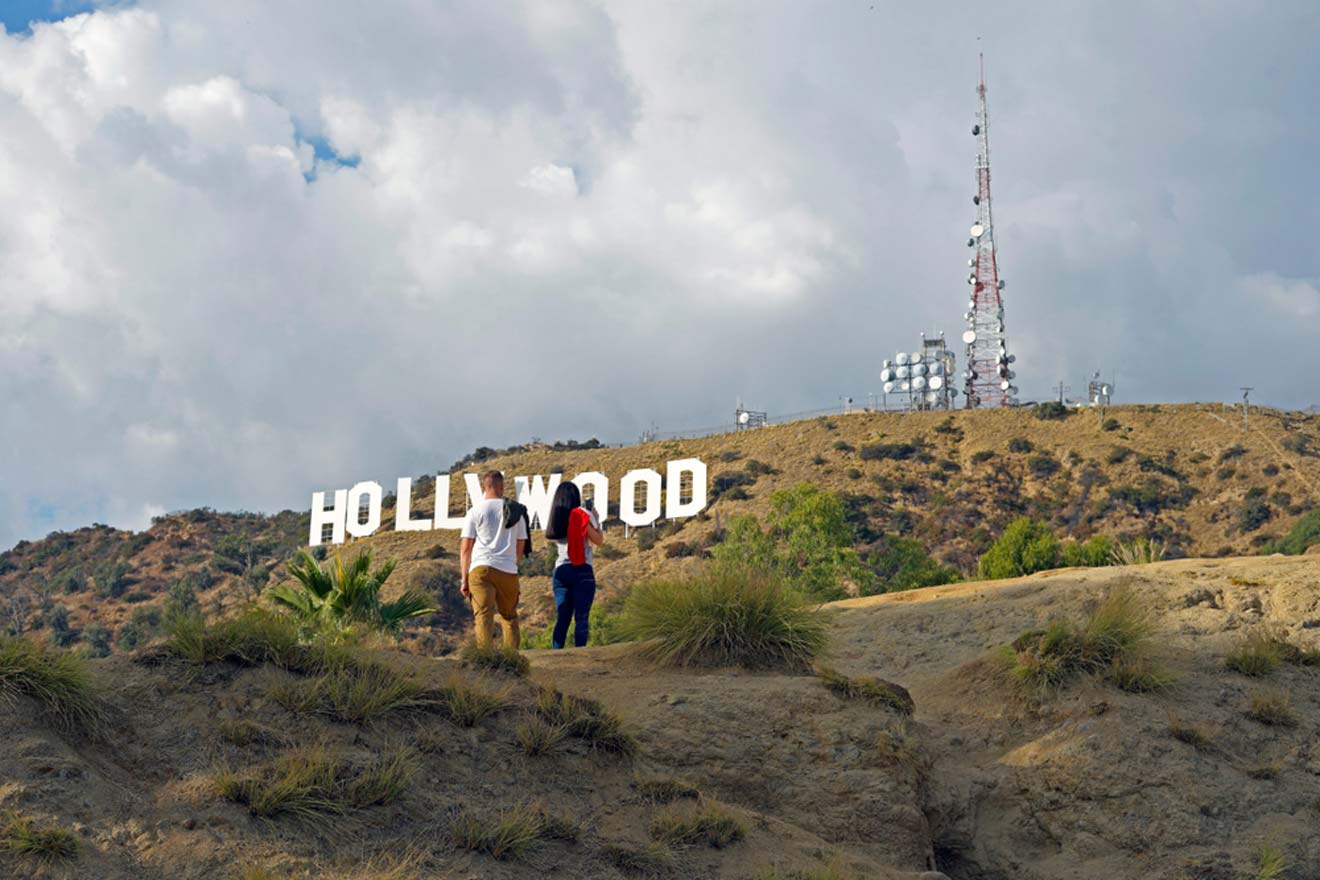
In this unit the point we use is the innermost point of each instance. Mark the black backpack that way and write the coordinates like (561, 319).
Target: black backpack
(513, 511)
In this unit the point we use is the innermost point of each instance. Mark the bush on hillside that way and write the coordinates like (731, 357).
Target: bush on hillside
(1095, 551)
(726, 615)
(1110, 424)
(809, 544)
(1020, 444)
(1254, 514)
(1051, 410)
(1304, 533)
(904, 564)
(1026, 546)
(891, 451)
(1043, 465)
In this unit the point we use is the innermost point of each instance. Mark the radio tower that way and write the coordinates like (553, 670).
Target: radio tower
(988, 375)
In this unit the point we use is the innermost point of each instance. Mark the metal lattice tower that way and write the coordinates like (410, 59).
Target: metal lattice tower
(988, 376)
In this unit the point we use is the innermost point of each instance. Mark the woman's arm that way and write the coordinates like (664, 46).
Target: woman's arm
(595, 535)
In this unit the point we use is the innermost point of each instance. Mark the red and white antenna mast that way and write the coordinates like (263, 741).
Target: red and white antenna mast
(988, 374)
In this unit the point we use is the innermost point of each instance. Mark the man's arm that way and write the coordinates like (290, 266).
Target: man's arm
(521, 539)
(465, 562)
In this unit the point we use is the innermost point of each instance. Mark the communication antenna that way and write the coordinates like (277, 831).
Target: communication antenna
(1062, 389)
(1246, 404)
(988, 378)
(744, 419)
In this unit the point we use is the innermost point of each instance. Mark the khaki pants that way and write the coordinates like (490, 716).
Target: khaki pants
(494, 589)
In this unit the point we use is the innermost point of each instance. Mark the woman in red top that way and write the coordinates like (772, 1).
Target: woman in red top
(575, 530)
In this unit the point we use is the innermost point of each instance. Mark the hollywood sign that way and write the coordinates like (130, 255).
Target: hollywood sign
(356, 512)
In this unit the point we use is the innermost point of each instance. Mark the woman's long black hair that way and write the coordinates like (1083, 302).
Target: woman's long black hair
(567, 497)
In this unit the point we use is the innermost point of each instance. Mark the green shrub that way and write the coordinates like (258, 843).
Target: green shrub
(890, 451)
(982, 455)
(60, 683)
(1043, 465)
(1026, 546)
(903, 564)
(724, 484)
(809, 543)
(1110, 424)
(757, 467)
(97, 639)
(250, 638)
(1020, 445)
(21, 836)
(1232, 452)
(1111, 641)
(724, 616)
(665, 789)
(842, 446)
(1051, 410)
(537, 737)
(853, 473)
(1254, 514)
(1095, 551)
(710, 825)
(1118, 454)
(1304, 533)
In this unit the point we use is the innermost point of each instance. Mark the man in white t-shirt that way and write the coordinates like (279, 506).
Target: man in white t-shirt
(489, 553)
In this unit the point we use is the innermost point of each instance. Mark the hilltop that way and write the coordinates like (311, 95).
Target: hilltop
(1193, 781)
(1187, 475)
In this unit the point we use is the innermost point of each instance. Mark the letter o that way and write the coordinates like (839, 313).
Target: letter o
(355, 526)
(628, 497)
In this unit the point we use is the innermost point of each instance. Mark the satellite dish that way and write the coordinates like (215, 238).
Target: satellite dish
(969, 336)
(1012, 389)
(1001, 284)
(744, 418)
(919, 383)
(971, 262)
(931, 397)
(885, 363)
(971, 279)
(1104, 389)
(904, 386)
(971, 304)
(919, 370)
(914, 358)
(902, 372)
(889, 388)
(886, 374)
(937, 369)
(977, 230)
(1005, 385)
(1011, 374)
(1012, 358)
(971, 242)
(936, 382)
(976, 129)
(901, 358)
(976, 200)
(953, 392)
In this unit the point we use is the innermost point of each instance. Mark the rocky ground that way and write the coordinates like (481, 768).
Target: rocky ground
(980, 784)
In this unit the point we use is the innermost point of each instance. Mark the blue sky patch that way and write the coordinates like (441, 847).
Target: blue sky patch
(17, 15)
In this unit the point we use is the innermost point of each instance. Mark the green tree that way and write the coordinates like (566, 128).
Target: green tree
(808, 542)
(904, 564)
(1096, 550)
(335, 596)
(1026, 546)
(97, 638)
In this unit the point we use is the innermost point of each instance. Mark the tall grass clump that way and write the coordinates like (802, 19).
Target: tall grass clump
(509, 833)
(725, 616)
(312, 781)
(1262, 649)
(1112, 641)
(60, 682)
(710, 824)
(252, 637)
(1142, 551)
(870, 690)
(649, 860)
(21, 836)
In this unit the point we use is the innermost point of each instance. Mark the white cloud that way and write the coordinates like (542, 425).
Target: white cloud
(711, 201)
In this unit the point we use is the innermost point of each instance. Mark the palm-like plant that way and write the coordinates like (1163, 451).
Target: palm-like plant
(338, 595)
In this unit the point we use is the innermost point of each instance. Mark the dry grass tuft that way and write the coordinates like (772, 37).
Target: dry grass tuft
(649, 860)
(665, 789)
(60, 682)
(505, 660)
(1139, 552)
(1112, 641)
(587, 720)
(1270, 863)
(1185, 732)
(466, 705)
(537, 737)
(872, 690)
(511, 832)
(312, 781)
(1273, 708)
(243, 732)
(1258, 652)
(710, 824)
(21, 836)
(253, 637)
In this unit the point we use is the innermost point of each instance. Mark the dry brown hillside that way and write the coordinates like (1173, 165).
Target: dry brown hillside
(1191, 782)
(1186, 474)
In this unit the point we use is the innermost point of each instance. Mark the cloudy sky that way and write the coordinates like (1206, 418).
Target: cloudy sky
(252, 249)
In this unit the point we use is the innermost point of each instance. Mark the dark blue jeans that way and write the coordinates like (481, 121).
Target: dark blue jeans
(575, 590)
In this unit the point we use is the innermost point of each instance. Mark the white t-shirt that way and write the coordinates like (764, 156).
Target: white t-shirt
(494, 545)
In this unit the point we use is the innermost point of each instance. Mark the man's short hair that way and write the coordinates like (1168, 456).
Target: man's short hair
(491, 479)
